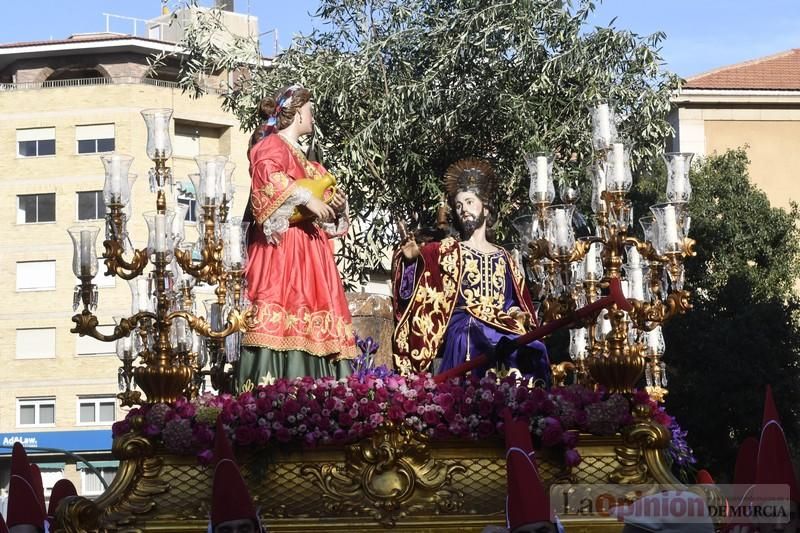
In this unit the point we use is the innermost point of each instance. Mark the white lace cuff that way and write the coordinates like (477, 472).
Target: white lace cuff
(276, 225)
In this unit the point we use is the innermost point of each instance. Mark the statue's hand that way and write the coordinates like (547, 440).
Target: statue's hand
(523, 318)
(338, 202)
(408, 244)
(322, 211)
(410, 248)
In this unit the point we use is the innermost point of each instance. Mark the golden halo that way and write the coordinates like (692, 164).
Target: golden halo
(469, 173)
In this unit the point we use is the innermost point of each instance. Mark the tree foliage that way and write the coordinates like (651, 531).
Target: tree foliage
(742, 333)
(403, 88)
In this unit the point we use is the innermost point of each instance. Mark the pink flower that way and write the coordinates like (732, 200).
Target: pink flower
(430, 417)
(485, 408)
(345, 420)
(244, 435)
(663, 418)
(283, 435)
(263, 435)
(396, 413)
(393, 382)
(441, 431)
(485, 429)
(445, 400)
(291, 407)
(203, 435)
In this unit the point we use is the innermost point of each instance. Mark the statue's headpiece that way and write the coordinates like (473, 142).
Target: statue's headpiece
(469, 174)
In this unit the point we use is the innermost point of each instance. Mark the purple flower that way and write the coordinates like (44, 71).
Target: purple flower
(367, 346)
(205, 457)
(572, 457)
(552, 432)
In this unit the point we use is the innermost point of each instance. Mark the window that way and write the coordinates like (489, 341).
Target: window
(36, 275)
(36, 412)
(90, 346)
(187, 139)
(36, 142)
(91, 205)
(97, 410)
(33, 208)
(91, 484)
(51, 473)
(36, 343)
(95, 139)
(186, 196)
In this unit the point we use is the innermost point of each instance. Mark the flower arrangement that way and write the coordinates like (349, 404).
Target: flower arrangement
(318, 412)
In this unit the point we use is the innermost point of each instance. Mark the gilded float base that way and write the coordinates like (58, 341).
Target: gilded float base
(395, 479)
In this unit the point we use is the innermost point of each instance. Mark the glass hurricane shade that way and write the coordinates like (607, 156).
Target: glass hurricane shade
(117, 186)
(679, 188)
(159, 232)
(540, 169)
(209, 183)
(234, 237)
(558, 228)
(604, 127)
(159, 145)
(84, 256)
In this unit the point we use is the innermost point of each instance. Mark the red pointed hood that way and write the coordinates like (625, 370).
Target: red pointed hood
(38, 485)
(231, 499)
(61, 490)
(774, 465)
(746, 458)
(222, 444)
(24, 505)
(704, 478)
(770, 409)
(527, 502)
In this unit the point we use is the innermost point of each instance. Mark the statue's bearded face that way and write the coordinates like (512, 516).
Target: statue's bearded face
(470, 211)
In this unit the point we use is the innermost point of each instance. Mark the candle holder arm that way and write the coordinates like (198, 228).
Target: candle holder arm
(117, 266)
(238, 322)
(86, 325)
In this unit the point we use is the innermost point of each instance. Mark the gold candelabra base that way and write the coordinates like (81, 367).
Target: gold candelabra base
(617, 373)
(163, 384)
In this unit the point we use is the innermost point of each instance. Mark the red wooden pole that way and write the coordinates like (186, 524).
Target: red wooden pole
(615, 296)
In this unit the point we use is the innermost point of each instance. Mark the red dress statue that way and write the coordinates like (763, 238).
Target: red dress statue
(302, 325)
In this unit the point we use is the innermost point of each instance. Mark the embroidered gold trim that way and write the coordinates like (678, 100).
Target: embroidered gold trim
(310, 170)
(316, 332)
(430, 327)
(325, 348)
(264, 205)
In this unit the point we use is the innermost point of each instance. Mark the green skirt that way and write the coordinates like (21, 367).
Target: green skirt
(258, 365)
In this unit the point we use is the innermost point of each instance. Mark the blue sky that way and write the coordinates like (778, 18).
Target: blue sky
(701, 34)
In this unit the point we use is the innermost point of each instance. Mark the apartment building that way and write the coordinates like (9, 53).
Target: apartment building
(63, 104)
(754, 104)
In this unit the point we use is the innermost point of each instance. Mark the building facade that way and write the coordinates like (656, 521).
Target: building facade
(756, 105)
(63, 104)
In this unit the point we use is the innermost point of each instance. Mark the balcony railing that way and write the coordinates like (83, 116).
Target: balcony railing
(82, 82)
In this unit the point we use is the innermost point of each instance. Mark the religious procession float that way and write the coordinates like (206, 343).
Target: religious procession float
(403, 426)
